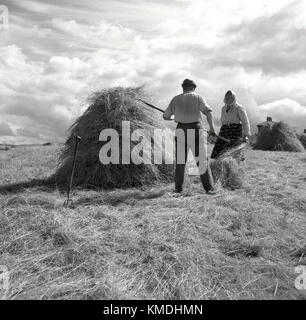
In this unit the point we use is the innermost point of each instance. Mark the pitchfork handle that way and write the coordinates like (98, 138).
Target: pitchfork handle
(158, 109)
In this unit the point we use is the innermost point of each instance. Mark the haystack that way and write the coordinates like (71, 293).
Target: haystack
(107, 109)
(278, 137)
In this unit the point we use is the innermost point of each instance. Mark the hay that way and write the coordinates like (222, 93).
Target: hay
(228, 173)
(226, 168)
(278, 137)
(107, 109)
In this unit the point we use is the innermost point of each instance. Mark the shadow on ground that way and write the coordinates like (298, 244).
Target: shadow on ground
(20, 186)
(118, 197)
(84, 195)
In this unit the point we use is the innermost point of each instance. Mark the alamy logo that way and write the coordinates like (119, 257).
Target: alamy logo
(4, 282)
(152, 146)
(300, 281)
(4, 17)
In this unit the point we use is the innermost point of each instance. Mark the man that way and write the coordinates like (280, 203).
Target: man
(187, 108)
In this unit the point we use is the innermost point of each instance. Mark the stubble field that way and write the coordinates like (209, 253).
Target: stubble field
(150, 243)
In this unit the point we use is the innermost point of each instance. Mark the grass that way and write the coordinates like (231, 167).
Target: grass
(150, 243)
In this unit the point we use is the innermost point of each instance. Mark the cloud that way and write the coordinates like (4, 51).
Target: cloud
(280, 44)
(32, 98)
(283, 110)
(56, 53)
(5, 129)
(27, 132)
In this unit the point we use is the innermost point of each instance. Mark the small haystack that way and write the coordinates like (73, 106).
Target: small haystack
(107, 109)
(278, 137)
(227, 169)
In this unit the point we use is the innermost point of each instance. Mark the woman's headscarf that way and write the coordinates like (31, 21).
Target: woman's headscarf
(230, 98)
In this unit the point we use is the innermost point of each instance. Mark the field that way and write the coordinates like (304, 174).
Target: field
(151, 243)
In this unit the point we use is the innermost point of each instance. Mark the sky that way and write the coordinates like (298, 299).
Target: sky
(55, 53)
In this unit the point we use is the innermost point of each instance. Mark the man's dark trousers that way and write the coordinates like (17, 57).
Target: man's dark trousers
(180, 167)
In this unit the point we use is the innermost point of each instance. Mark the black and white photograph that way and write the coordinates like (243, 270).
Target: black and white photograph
(152, 151)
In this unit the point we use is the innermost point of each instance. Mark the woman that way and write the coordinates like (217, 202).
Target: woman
(235, 123)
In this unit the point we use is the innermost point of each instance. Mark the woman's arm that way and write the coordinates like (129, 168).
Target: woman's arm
(245, 121)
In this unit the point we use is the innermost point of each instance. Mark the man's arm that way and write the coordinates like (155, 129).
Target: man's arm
(169, 112)
(210, 120)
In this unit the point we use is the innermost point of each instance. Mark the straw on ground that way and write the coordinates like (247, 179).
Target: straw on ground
(150, 243)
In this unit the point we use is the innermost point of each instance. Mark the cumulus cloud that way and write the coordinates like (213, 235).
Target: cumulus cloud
(280, 44)
(55, 54)
(283, 110)
(27, 133)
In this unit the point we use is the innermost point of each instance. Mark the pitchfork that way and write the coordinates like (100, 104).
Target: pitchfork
(68, 200)
(160, 110)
